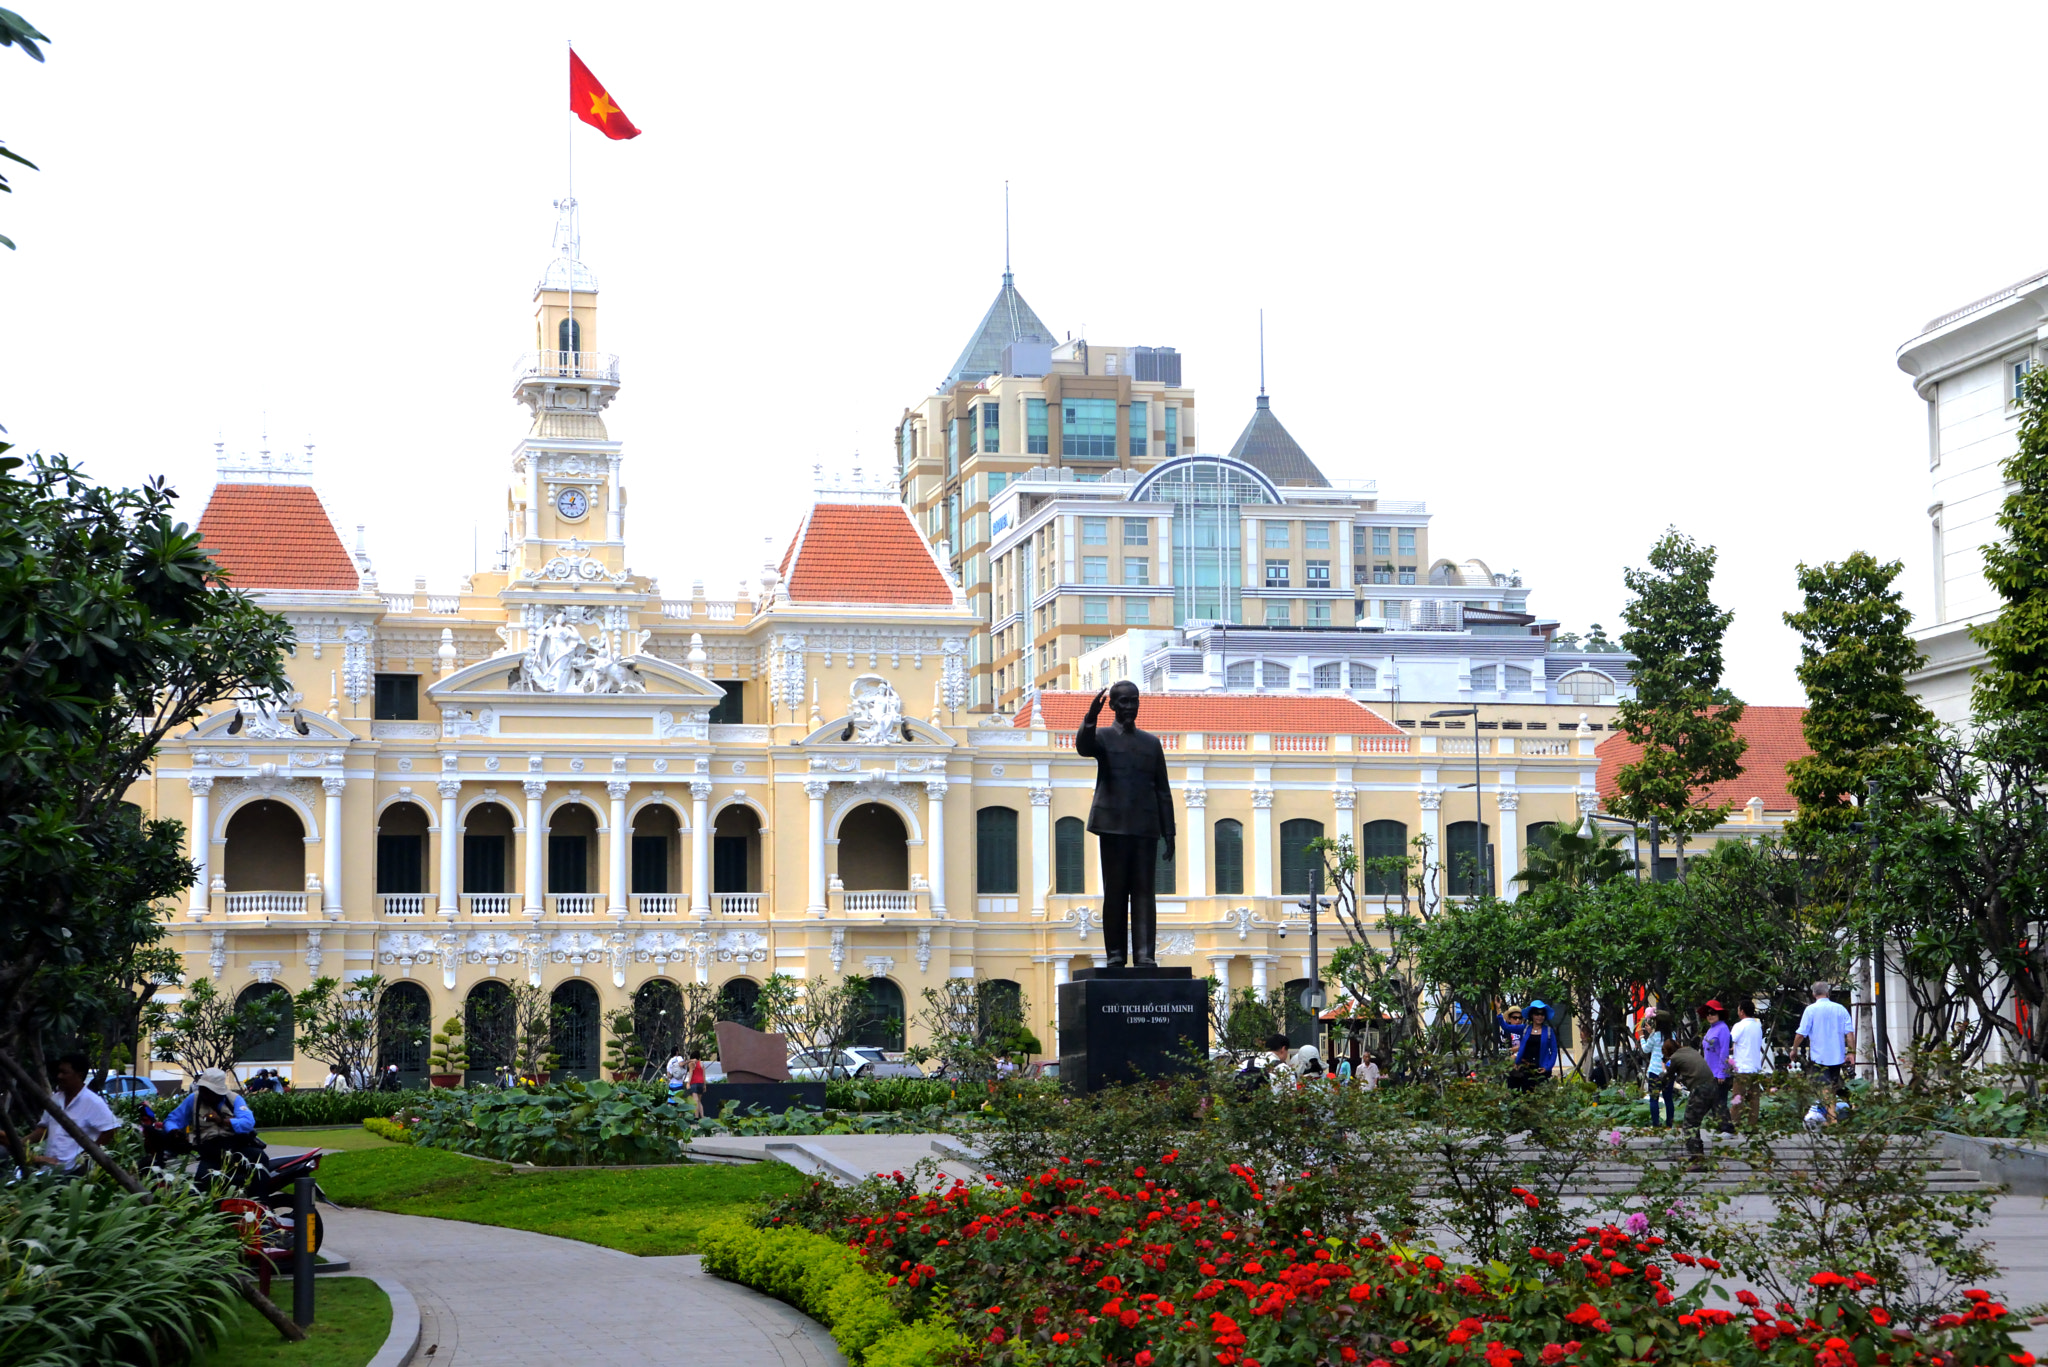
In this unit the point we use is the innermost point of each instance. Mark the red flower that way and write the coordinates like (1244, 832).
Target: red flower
(1398, 1346)
(996, 1335)
(1059, 1338)
(1348, 1353)
(1129, 1319)
(1747, 1298)
(1828, 1279)
(1144, 1357)
(1879, 1315)
(1433, 1263)
(1585, 1314)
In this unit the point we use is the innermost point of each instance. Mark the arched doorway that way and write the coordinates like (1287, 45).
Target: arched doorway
(405, 1027)
(736, 850)
(874, 850)
(488, 1027)
(884, 1027)
(266, 849)
(657, 853)
(266, 1035)
(658, 1022)
(576, 1029)
(739, 1001)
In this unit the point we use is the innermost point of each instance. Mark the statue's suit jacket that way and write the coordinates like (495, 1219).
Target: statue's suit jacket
(1131, 794)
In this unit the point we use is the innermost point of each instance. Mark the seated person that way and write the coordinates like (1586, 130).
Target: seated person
(212, 1120)
(87, 1109)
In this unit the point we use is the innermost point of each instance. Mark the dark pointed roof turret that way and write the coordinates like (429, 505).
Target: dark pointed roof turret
(1267, 447)
(1009, 319)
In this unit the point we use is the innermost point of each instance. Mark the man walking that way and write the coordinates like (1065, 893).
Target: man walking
(1828, 1034)
(1715, 1050)
(1746, 1054)
(1702, 1095)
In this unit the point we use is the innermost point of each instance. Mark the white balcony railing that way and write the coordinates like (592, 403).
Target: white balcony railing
(1382, 745)
(738, 903)
(1213, 741)
(266, 903)
(1540, 748)
(1301, 745)
(878, 903)
(1464, 745)
(444, 603)
(599, 366)
(658, 903)
(406, 903)
(490, 903)
(574, 903)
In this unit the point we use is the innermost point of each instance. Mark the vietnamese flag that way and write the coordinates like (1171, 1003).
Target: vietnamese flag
(589, 102)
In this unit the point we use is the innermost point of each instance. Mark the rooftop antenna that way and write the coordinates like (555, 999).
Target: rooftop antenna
(1006, 232)
(1262, 353)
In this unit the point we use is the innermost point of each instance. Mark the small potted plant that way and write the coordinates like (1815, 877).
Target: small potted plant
(448, 1060)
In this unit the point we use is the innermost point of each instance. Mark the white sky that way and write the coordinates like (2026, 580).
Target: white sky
(1571, 274)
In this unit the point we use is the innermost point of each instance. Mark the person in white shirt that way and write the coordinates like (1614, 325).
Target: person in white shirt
(337, 1079)
(1746, 1057)
(87, 1109)
(1828, 1034)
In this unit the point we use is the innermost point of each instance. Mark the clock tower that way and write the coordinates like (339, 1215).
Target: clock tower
(566, 506)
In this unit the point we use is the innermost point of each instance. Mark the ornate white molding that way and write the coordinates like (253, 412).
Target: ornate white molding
(448, 787)
(1589, 801)
(1196, 796)
(217, 953)
(741, 946)
(879, 965)
(816, 789)
(1177, 943)
(1346, 797)
(314, 954)
(700, 790)
(838, 950)
(266, 970)
(617, 789)
(1262, 798)
(924, 951)
(1509, 799)
(1430, 798)
(1041, 797)
(536, 788)
(199, 785)
(333, 784)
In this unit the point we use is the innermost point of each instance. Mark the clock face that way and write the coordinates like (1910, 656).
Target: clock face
(572, 503)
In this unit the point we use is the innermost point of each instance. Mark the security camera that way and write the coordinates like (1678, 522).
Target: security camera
(1283, 930)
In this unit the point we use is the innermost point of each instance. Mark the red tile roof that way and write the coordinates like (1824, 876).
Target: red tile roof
(1227, 713)
(1776, 736)
(275, 536)
(862, 553)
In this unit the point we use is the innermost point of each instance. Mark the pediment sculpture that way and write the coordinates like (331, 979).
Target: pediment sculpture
(560, 660)
(874, 712)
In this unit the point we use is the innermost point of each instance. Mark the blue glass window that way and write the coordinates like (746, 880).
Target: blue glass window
(1172, 432)
(1141, 424)
(1036, 439)
(991, 427)
(952, 448)
(1088, 428)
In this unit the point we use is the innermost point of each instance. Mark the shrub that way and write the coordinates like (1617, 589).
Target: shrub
(280, 1109)
(90, 1274)
(830, 1283)
(388, 1129)
(565, 1123)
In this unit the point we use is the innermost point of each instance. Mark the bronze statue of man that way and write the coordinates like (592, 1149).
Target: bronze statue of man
(1133, 813)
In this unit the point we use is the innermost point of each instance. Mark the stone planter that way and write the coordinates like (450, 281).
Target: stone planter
(444, 1079)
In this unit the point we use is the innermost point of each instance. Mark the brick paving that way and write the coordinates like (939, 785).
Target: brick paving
(494, 1297)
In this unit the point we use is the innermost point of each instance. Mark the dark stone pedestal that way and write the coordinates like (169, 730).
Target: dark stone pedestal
(1128, 1024)
(775, 1096)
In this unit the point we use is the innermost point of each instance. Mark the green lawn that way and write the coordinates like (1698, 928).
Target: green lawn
(351, 1319)
(336, 1137)
(651, 1212)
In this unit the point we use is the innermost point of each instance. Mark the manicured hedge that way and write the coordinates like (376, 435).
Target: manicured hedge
(827, 1281)
(388, 1129)
(280, 1109)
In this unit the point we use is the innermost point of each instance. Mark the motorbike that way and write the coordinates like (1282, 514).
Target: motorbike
(263, 1188)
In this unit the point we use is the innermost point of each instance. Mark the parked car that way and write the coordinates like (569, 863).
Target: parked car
(862, 1062)
(122, 1086)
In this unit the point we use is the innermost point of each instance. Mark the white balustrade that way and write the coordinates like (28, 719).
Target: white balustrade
(1541, 748)
(266, 904)
(738, 903)
(398, 602)
(658, 903)
(1212, 741)
(676, 609)
(575, 903)
(720, 610)
(567, 365)
(446, 603)
(490, 903)
(1301, 745)
(1464, 745)
(1382, 745)
(878, 903)
(405, 903)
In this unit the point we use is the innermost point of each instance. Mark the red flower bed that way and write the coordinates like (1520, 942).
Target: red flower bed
(1155, 1267)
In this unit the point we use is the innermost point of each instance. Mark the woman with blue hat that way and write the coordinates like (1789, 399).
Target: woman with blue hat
(1536, 1051)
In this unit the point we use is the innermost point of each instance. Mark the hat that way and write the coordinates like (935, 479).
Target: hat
(214, 1080)
(1714, 1006)
(1540, 1005)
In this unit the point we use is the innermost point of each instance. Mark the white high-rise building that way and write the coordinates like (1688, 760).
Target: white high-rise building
(1969, 365)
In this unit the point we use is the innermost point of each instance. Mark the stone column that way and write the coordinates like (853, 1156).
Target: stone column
(330, 848)
(1041, 847)
(614, 515)
(200, 834)
(1510, 844)
(815, 790)
(700, 848)
(1431, 798)
(1259, 965)
(1263, 880)
(451, 848)
(621, 890)
(536, 849)
(1345, 798)
(1194, 841)
(935, 843)
(1219, 969)
(1060, 976)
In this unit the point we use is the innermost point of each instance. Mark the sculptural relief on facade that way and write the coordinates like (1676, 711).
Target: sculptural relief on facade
(560, 660)
(874, 712)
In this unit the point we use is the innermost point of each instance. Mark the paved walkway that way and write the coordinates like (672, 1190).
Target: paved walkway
(505, 1298)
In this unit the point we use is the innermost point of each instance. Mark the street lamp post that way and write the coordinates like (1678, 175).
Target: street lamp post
(1480, 868)
(1313, 993)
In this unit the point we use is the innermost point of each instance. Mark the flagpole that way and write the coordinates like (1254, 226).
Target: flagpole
(573, 339)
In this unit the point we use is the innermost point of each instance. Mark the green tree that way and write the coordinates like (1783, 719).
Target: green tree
(115, 629)
(2015, 677)
(1681, 716)
(207, 1029)
(816, 1017)
(1853, 663)
(17, 31)
(1574, 857)
(344, 1023)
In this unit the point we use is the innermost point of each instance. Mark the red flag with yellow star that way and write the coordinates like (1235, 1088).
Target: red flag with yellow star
(589, 102)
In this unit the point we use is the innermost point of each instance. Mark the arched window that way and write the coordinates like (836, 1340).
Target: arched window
(656, 851)
(1382, 840)
(736, 851)
(658, 1024)
(571, 830)
(739, 1001)
(1069, 855)
(266, 849)
(405, 1026)
(1275, 674)
(1469, 861)
(569, 334)
(995, 851)
(1517, 679)
(1229, 857)
(884, 1027)
(1541, 833)
(402, 848)
(874, 849)
(1329, 676)
(267, 1030)
(488, 1027)
(575, 1023)
(1242, 674)
(1364, 676)
(1301, 868)
(1586, 685)
(486, 849)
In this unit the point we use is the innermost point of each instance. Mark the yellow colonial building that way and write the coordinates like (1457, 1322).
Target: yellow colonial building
(557, 774)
